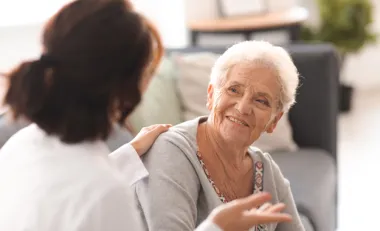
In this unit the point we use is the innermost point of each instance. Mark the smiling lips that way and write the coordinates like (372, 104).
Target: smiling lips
(237, 121)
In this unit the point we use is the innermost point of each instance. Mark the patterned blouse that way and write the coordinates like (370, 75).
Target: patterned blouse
(257, 184)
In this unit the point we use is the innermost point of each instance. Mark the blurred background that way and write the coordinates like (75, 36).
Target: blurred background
(335, 46)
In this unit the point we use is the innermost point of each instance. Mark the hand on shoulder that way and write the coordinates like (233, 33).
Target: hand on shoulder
(146, 137)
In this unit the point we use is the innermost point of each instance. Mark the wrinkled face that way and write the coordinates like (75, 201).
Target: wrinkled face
(246, 104)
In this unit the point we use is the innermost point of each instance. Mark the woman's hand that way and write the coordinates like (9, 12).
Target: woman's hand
(242, 214)
(146, 137)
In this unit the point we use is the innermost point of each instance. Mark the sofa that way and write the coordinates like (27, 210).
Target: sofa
(311, 168)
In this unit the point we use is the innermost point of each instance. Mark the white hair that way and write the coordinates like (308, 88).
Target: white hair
(261, 53)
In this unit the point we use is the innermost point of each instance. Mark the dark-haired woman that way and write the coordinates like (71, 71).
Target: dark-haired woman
(56, 175)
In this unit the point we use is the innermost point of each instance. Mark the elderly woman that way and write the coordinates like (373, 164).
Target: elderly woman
(203, 163)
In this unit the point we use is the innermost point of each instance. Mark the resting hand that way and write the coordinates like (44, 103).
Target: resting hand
(242, 214)
(146, 137)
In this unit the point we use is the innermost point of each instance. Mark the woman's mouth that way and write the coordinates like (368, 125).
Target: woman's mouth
(237, 121)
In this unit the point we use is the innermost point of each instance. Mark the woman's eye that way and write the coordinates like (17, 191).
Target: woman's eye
(263, 101)
(233, 90)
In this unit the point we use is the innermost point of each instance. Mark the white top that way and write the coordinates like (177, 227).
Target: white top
(47, 185)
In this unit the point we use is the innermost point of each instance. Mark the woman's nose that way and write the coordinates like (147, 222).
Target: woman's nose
(244, 106)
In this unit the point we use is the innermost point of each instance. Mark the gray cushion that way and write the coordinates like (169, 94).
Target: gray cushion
(118, 137)
(306, 223)
(313, 178)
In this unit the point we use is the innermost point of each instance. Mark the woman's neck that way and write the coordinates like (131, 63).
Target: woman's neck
(228, 152)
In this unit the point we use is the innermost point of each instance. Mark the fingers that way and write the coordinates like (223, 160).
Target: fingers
(252, 201)
(158, 126)
(264, 207)
(269, 208)
(268, 213)
(149, 128)
(155, 130)
(161, 128)
(275, 208)
(264, 218)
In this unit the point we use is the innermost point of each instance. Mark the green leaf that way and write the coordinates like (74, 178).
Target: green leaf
(344, 23)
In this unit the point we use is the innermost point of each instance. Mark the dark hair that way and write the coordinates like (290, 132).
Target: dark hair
(95, 56)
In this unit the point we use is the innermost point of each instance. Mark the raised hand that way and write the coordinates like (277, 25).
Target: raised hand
(243, 214)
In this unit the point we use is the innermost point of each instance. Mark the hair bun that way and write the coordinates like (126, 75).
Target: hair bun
(47, 60)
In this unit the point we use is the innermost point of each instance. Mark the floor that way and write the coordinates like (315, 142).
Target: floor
(359, 164)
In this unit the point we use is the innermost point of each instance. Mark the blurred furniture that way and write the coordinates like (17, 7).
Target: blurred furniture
(311, 170)
(232, 8)
(289, 20)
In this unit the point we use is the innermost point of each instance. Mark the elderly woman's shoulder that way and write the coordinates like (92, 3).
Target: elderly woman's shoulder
(177, 142)
(184, 133)
(271, 170)
(173, 149)
(257, 152)
(265, 158)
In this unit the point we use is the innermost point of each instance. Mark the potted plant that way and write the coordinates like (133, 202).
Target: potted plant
(345, 24)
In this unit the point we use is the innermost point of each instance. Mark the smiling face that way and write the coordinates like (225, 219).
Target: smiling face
(246, 104)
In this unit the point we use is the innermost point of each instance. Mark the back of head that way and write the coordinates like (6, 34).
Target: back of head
(96, 54)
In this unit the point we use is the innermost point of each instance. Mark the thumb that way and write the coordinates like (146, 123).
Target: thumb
(252, 201)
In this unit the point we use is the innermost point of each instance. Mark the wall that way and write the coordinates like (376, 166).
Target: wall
(18, 43)
(362, 69)
(18, 12)
(169, 17)
(20, 30)
(22, 40)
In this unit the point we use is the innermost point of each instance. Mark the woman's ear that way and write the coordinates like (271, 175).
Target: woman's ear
(210, 96)
(273, 124)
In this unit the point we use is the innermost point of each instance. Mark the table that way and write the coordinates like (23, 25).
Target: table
(289, 20)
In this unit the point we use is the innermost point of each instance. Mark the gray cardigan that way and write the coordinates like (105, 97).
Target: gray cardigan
(177, 195)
